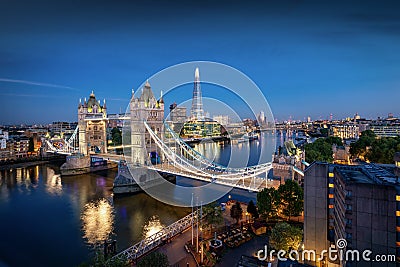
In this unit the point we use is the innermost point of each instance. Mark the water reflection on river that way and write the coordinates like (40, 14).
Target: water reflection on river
(97, 221)
(46, 220)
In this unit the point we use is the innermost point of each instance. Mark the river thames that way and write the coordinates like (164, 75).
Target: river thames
(49, 220)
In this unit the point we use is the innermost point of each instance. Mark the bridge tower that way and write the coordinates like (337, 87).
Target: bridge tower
(144, 108)
(92, 123)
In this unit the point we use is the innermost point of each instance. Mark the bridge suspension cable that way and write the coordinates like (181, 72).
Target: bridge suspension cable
(227, 174)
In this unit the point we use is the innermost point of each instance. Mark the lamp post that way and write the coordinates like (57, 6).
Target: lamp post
(192, 218)
(202, 252)
(197, 228)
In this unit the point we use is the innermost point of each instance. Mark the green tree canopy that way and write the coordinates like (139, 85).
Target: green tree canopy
(236, 212)
(212, 214)
(285, 237)
(320, 150)
(154, 259)
(371, 148)
(116, 136)
(268, 201)
(252, 209)
(291, 198)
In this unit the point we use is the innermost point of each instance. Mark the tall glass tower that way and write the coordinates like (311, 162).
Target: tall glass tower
(197, 113)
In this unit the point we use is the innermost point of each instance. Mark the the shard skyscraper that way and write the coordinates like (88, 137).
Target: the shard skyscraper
(197, 113)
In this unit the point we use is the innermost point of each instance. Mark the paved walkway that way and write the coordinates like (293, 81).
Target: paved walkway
(232, 257)
(175, 250)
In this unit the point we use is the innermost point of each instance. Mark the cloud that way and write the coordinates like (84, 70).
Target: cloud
(28, 95)
(38, 84)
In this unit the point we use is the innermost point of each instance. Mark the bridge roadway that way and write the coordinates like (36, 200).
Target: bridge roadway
(253, 184)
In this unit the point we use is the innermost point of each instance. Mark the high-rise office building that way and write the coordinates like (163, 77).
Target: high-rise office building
(197, 112)
(357, 204)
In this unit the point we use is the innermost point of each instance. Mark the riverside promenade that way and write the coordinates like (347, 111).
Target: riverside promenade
(175, 250)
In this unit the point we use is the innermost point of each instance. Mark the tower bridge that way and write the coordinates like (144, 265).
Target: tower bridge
(148, 134)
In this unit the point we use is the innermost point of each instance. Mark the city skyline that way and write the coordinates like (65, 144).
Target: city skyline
(308, 58)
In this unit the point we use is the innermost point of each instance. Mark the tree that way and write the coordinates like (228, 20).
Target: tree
(236, 212)
(268, 201)
(358, 148)
(291, 196)
(370, 147)
(320, 150)
(31, 146)
(285, 237)
(154, 259)
(116, 136)
(252, 209)
(100, 260)
(334, 140)
(324, 131)
(212, 214)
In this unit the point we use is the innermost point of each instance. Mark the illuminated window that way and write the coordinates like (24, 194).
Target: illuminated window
(397, 197)
(331, 206)
(330, 195)
(331, 186)
(331, 175)
(397, 213)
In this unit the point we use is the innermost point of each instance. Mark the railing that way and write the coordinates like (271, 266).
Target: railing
(155, 240)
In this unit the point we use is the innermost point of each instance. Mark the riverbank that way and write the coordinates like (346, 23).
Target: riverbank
(23, 164)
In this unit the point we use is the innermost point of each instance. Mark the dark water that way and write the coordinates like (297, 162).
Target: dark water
(46, 220)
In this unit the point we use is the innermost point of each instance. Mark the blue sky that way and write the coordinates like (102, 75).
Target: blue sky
(310, 58)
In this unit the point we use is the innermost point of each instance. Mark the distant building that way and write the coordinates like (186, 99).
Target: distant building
(3, 139)
(358, 204)
(341, 154)
(59, 126)
(385, 130)
(346, 131)
(7, 151)
(201, 129)
(21, 147)
(177, 114)
(261, 117)
(3, 143)
(221, 119)
(3, 135)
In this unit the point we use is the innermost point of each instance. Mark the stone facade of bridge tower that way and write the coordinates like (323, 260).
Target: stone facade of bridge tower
(144, 108)
(92, 123)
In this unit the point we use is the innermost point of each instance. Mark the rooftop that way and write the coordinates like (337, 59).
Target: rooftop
(367, 173)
